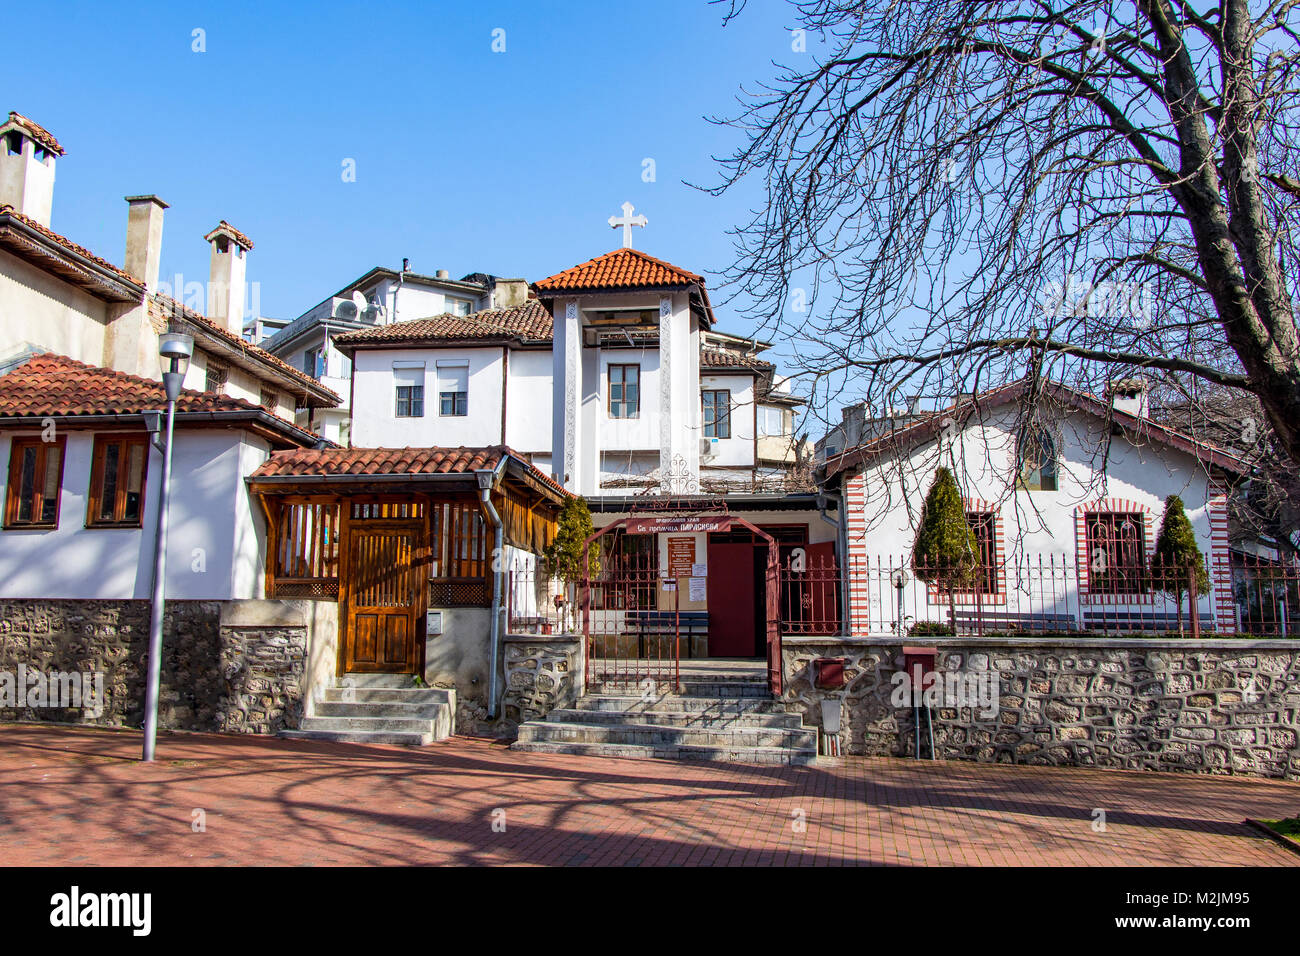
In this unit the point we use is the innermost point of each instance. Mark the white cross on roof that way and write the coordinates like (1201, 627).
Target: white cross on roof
(627, 222)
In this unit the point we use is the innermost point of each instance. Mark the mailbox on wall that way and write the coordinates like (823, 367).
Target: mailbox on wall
(918, 662)
(828, 672)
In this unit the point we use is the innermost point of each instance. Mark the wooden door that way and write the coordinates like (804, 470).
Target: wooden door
(383, 599)
(733, 624)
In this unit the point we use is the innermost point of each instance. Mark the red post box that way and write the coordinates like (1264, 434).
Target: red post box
(918, 662)
(828, 672)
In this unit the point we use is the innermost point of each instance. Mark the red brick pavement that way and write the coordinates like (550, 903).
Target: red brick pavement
(78, 796)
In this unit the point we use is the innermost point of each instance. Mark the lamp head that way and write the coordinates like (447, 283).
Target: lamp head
(174, 352)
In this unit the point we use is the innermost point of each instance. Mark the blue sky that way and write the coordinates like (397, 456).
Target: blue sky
(466, 159)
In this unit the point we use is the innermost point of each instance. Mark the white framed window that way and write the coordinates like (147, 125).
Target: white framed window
(771, 421)
(453, 389)
(457, 306)
(409, 392)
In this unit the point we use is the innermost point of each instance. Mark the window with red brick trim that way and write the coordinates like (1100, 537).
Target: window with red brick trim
(1116, 542)
(984, 525)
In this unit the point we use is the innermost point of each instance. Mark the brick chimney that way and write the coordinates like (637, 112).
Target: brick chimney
(27, 156)
(227, 267)
(144, 226)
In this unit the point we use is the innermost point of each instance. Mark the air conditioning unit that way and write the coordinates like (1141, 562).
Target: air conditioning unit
(708, 447)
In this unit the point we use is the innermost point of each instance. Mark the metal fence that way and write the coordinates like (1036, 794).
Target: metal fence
(630, 615)
(1039, 595)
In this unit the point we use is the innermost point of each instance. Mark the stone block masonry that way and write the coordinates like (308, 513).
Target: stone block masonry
(234, 667)
(1231, 706)
(543, 673)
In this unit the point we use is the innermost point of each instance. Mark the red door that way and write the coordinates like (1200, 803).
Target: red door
(732, 621)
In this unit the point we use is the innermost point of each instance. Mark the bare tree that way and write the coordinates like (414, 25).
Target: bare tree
(960, 191)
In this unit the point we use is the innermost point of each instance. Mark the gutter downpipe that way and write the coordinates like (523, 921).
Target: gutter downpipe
(487, 481)
(842, 545)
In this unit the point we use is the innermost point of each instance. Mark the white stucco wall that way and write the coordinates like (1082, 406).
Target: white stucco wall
(39, 309)
(376, 425)
(529, 400)
(1042, 521)
(215, 543)
(738, 450)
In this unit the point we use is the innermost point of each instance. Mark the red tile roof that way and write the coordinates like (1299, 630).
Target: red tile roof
(226, 228)
(620, 269)
(308, 462)
(50, 384)
(36, 132)
(66, 243)
(927, 427)
(363, 462)
(528, 323)
(726, 358)
(166, 308)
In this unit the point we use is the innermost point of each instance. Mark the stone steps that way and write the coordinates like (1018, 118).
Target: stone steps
(688, 687)
(748, 755)
(704, 719)
(719, 717)
(619, 703)
(379, 709)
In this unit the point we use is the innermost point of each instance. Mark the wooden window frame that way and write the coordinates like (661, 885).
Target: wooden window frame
(1031, 479)
(127, 439)
(13, 486)
(622, 401)
(724, 422)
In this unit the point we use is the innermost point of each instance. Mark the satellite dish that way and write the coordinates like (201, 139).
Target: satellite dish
(359, 300)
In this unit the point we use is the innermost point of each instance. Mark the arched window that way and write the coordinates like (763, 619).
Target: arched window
(1037, 461)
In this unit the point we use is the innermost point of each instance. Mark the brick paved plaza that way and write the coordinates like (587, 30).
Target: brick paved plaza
(78, 796)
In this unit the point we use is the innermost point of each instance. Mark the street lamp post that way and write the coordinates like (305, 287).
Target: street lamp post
(175, 350)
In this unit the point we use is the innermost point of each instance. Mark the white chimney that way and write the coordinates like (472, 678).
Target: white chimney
(1130, 395)
(27, 156)
(144, 225)
(227, 267)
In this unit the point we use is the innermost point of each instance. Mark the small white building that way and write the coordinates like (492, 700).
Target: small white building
(1065, 505)
(81, 480)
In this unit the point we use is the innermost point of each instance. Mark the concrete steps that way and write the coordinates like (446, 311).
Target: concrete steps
(727, 718)
(379, 709)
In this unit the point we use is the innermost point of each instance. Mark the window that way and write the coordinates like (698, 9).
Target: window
(217, 375)
(117, 476)
(1037, 461)
(35, 476)
(984, 526)
(1116, 552)
(312, 364)
(453, 390)
(457, 306)
(771, 421)
(410, 392)
(14, 143)
(717, 413)
(625, 391)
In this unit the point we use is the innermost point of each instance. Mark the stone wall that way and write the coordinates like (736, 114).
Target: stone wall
(1225, 707)
(543, 672)
(233, 666)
